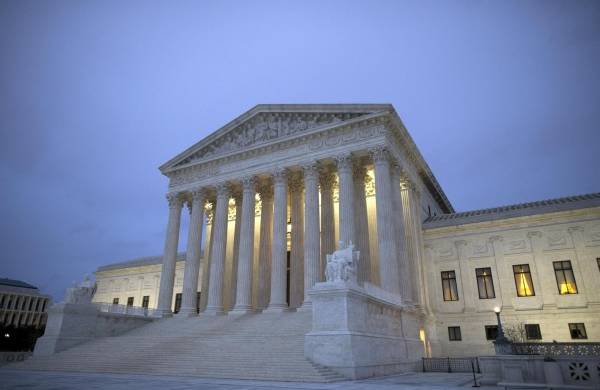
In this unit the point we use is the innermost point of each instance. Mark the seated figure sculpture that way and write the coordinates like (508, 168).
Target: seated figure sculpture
(81, 293)
(341, 265)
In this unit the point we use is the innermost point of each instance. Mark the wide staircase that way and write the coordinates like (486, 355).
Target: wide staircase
(266, 346)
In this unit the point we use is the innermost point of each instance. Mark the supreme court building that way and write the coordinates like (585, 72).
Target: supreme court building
(274, 191)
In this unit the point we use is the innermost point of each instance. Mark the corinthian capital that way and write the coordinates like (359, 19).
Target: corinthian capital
(327, 180)
(380, 154)
(174, 200)
(223, 190)
(280, 176)
(249, 183)
(344, 162)
(198, 194)
(311, 170)
(296, 182)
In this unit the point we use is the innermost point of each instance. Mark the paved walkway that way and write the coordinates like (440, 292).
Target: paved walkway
(37, 380)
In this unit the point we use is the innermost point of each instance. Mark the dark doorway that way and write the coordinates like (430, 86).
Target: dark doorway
(287, 278)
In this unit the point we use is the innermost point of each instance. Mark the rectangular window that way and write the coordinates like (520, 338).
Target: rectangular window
(130, 301)
(177, 303)
(145, 301)
(115, 301)
(454, 333)
(577, 331)
(485, 284)
(523, 280)
(491, 331)
(532, 332)
(565, 279)
(449, 286)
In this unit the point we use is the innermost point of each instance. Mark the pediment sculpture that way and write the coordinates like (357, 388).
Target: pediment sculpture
(81, 293)
(341, 265)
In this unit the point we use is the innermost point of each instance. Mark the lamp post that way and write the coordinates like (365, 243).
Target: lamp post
(501, 343)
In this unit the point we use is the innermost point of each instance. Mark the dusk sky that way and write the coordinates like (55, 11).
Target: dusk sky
(501, 97)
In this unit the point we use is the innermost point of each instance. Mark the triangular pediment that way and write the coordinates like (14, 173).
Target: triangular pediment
(265, 124)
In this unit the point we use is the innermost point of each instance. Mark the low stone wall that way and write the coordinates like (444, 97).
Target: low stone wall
(11, 357)
(576, 370)
(359, 335)
(73, 324)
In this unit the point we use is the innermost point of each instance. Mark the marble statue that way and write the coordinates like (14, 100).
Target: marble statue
(81, 293)
(341, 265)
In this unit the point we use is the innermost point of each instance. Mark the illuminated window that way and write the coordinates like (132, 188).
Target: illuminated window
(578, 331)
(454, 333)
(491, 331)
(115, 301)
(532, 332)
(130, 301)
(523, 280)
(449, 286)
(565, 279)
(145, 301)
(485, 284)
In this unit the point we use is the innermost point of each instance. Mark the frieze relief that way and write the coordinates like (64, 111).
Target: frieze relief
(557, 240)
(480, 249)
(516, 246)
(265, 127)
(593, 235)
(446, 253)
(327, 140)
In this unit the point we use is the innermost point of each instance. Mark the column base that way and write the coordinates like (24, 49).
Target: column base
(241, 310)
(184, 312)
(306, 306)
(213, 311)
(165, 313)
(277, 308)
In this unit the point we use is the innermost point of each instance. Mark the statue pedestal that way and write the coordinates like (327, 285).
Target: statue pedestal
(69, 324)
(359, 335)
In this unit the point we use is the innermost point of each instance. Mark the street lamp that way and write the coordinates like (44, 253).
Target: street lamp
(501, 343)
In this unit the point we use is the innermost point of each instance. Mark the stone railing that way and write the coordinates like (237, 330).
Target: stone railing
(137, 311)
(556, 349)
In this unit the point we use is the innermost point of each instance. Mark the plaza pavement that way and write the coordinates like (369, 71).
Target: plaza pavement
(39, 380)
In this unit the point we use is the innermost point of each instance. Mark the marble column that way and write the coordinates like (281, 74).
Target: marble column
(327, 218)
(362, 224)
(217, 264)
(167, 280)
(264, 250)
(277, 300)
(210, 213)
(346, 194)
(388, 260)
(297, 241)
(406, 274)
(311, 230)
(192, 256)
(231, 269)
(412, 223)
(243, 298)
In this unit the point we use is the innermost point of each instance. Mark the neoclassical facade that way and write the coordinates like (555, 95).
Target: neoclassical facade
(274, 191)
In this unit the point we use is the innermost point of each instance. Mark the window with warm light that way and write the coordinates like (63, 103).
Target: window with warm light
(449, 286)
(523, 280)
(565, 279)
(485, 283)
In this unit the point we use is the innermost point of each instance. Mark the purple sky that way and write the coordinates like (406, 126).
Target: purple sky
(501, 97)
